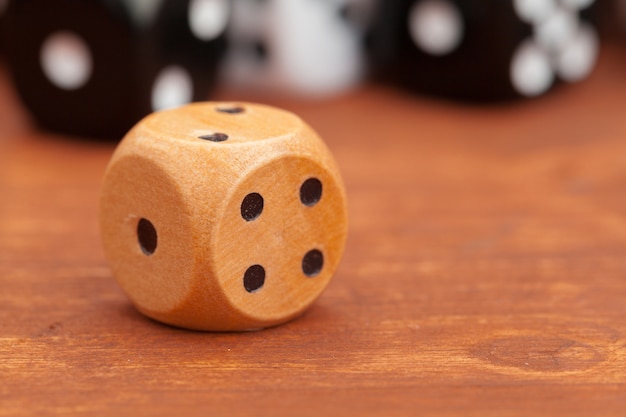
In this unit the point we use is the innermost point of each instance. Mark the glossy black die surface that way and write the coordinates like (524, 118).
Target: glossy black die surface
(483, 50)
(4, 5)
(95, 67)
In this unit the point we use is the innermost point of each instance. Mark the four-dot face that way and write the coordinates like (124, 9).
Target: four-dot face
(284, 219)
(223, 216)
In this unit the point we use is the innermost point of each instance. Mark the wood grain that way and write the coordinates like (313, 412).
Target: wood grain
(484, 274)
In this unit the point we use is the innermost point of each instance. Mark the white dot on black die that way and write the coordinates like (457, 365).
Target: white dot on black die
(577, 59)
(208, 18)
(557, 30)
(436, 26)
(173, 87)
(66, 60)
(531, 71)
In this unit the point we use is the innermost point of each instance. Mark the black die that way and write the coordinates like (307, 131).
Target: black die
(95, 67)
(483, 50)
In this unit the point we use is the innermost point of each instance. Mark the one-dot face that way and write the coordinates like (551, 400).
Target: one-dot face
(222, 124)
(145, 237)
(280, 238)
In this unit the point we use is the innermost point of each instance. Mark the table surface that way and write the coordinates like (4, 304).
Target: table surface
(484, 274)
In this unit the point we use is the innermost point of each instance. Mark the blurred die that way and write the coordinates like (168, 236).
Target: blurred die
(95, 67)
(484, 50)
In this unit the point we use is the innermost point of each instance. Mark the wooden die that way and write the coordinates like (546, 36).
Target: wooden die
(217, 216)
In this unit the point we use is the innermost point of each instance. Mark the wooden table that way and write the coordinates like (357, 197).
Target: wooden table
(485, 273)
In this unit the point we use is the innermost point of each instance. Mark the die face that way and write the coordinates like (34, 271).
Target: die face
(292, 238)
(241, 122)
(155, 271)
(235, 212)
(107, 63)
(288, 44)
(484, 50)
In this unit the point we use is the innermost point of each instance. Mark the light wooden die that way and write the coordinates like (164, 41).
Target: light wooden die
(221, 216)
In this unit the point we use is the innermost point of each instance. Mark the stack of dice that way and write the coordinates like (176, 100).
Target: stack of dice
(95, 67)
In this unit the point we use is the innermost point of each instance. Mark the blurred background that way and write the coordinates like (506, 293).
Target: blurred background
(482, 147)
(93, 68)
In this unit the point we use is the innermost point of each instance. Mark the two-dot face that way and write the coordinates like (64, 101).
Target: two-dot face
(205, 126)
(223, 216)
